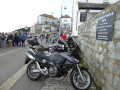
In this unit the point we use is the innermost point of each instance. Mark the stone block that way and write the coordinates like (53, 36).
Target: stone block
(108, 64)
(108, 87)
(111, 46)
(118, 13)
(116, 67)
(117, 25)
(118, 47)
(116, 82)
(100, 49)
(117, 35)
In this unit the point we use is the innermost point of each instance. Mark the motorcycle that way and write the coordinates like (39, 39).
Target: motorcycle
(57, 66)
(58, 45)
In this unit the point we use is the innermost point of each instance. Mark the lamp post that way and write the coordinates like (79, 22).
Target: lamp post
(61, 18)
(26, 28)
(61, 9)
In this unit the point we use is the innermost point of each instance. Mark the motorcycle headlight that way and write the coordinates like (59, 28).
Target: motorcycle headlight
(30, 56)
(77, 60)
(62, 46)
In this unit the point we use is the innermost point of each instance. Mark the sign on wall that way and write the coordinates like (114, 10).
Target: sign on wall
(105, 26)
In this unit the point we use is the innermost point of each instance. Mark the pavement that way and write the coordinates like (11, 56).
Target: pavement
(63, 84)
(55, 84)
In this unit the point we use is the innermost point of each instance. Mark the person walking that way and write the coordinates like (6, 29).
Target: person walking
(47, 37)
(16, 38)
(3, 40)
(0, 39)
(23, 40)
(6, 36)
(10, 39)
(51, 37)
(20, 40)
(41, 37)
(63, 36)
(13, 41)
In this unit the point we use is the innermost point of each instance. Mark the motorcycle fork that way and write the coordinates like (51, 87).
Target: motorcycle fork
(42, 71)
(80, 72)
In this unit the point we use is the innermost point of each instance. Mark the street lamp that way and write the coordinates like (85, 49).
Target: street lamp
(61, 9)
(26, 28)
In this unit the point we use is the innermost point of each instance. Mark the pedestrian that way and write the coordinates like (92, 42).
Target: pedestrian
(0, 39)
(47, 37)
(51, 37)
(20, 40)
(13, 41)
(6, 36)
(63, 36)
(3, 40)
(10, 39)
(16, 38)
(41, 37)
(23, 40)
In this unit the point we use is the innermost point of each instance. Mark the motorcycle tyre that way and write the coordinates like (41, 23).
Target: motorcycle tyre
(71, 77)
(33, 79)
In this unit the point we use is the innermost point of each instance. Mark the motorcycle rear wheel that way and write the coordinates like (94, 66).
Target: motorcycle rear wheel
(33, 75)
(77, 81)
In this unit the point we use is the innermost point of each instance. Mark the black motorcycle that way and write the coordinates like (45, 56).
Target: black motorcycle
(58, 46)
(57, 66)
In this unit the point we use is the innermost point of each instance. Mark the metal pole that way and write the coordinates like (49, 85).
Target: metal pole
(61, 10)
(72, 17)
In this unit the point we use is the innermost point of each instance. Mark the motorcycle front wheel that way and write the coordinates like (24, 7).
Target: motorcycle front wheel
(33, 75)
(79, 83)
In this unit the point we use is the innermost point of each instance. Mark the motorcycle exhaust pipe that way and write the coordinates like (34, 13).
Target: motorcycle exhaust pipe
(42, 71)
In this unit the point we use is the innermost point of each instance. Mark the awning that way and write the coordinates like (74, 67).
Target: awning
(93, 6)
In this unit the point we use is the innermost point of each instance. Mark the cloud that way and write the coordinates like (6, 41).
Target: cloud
(16, 13)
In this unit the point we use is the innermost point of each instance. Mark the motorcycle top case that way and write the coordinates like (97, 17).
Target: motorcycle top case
(33, 41)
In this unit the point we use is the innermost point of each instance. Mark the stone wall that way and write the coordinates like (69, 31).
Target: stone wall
(102, 57)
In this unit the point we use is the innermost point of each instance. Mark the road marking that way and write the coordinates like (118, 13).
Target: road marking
(10, 52)
(12, 80)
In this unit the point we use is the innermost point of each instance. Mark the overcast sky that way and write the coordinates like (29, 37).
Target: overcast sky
(20, 13)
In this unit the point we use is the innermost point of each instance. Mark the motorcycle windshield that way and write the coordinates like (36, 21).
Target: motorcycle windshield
(61, 41)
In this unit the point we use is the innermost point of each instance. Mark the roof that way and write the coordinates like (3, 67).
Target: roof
(94, 6)
(66, 16)
(46, 15)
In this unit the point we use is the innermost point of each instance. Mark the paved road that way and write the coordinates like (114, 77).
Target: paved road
(12, 71)
(13, 74)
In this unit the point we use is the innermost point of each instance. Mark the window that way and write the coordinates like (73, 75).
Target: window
(65, 20)
(83, 16)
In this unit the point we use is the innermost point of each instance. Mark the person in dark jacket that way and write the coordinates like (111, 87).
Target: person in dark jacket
(47, 37)
(10, 39)
(20, 40)
(16, 38)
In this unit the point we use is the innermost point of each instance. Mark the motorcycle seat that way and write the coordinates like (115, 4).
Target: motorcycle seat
(41, 55)
(41, 48)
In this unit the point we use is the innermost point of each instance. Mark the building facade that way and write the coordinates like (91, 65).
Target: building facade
(46, 19)
(65, 23)
(83, 10)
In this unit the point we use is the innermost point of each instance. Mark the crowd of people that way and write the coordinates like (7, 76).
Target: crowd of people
(10, 40)
(48, 38)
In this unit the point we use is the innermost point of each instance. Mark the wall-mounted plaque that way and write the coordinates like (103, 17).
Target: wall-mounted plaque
(105, 26)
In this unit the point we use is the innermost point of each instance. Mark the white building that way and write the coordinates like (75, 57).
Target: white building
(85, 9)
(46, 19)
(65, 23)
